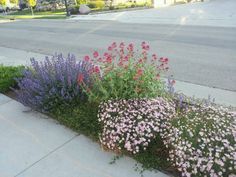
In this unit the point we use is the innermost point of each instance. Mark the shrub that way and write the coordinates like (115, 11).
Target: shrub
(81, 2)
(74, 9)
(96, 4)
(8, 75)
(132, 124)
(203, 142)
(52, 83)
(127, 73)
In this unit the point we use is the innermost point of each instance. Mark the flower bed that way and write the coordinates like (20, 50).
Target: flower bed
(119, 99)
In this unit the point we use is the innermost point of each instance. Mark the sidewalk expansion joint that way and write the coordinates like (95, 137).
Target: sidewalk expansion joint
(48, 154)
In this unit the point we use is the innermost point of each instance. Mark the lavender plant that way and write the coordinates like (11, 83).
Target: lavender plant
(132, 124)
(53, 83)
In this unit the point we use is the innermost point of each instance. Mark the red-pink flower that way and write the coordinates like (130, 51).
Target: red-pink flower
(122, 45)
(110, 48)
(139, 72)
(130, 47)
(126, 58)
(146, 47)
(120, 63)
(80, 78)
(108, 59)
(140, 61)
(95, 54)
(97, 69)
(143, 43)
(86, 58)
(113, 45)
(106, 54)
(99, 60)
(154, 56)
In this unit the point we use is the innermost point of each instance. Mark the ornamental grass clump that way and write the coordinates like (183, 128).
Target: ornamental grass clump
(132, 124)
(128, 73)
(53, 83)
(202, 142)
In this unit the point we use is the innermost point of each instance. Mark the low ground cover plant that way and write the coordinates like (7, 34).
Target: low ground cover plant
(7, 77)
(132, 124)
(119, 99)
(203, 142)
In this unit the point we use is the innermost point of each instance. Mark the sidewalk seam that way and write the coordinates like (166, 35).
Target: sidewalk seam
(48, 154)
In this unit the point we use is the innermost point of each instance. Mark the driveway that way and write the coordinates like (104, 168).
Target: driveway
(209, 13)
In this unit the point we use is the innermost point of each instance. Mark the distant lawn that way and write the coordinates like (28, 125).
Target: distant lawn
(12, 17)
(26, 14)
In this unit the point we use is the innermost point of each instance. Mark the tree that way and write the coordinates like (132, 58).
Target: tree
(31, 4)
(14, 1)
(3, 2)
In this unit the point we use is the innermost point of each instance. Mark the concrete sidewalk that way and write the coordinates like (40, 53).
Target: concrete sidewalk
(33, 145)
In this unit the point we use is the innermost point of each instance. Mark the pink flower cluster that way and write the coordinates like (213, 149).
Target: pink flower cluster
(203, 143)
(132, 124)
(120, 55)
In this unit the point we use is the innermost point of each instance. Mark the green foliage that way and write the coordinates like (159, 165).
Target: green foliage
(119, 83)
(8, 75)
(74, 10)
(96, 4)
(32, 3)
(14, 1)
(82, 118)
(78, 2)
(155, 156)
(28, 12)
(3, 2)
(128, 74)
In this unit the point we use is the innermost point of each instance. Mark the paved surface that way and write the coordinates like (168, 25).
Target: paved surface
(208, 13)
(33, 145)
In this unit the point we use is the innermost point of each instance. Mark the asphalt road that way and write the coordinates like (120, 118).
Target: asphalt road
(198, 54)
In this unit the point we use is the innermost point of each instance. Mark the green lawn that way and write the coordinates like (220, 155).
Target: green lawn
(26, 14)
(12, 17)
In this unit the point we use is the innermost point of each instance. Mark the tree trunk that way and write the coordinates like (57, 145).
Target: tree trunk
(32, 11)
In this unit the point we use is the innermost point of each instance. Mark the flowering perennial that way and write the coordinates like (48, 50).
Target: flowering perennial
(53, 82)
(132, 124)
(203, 142)
(128, 72)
